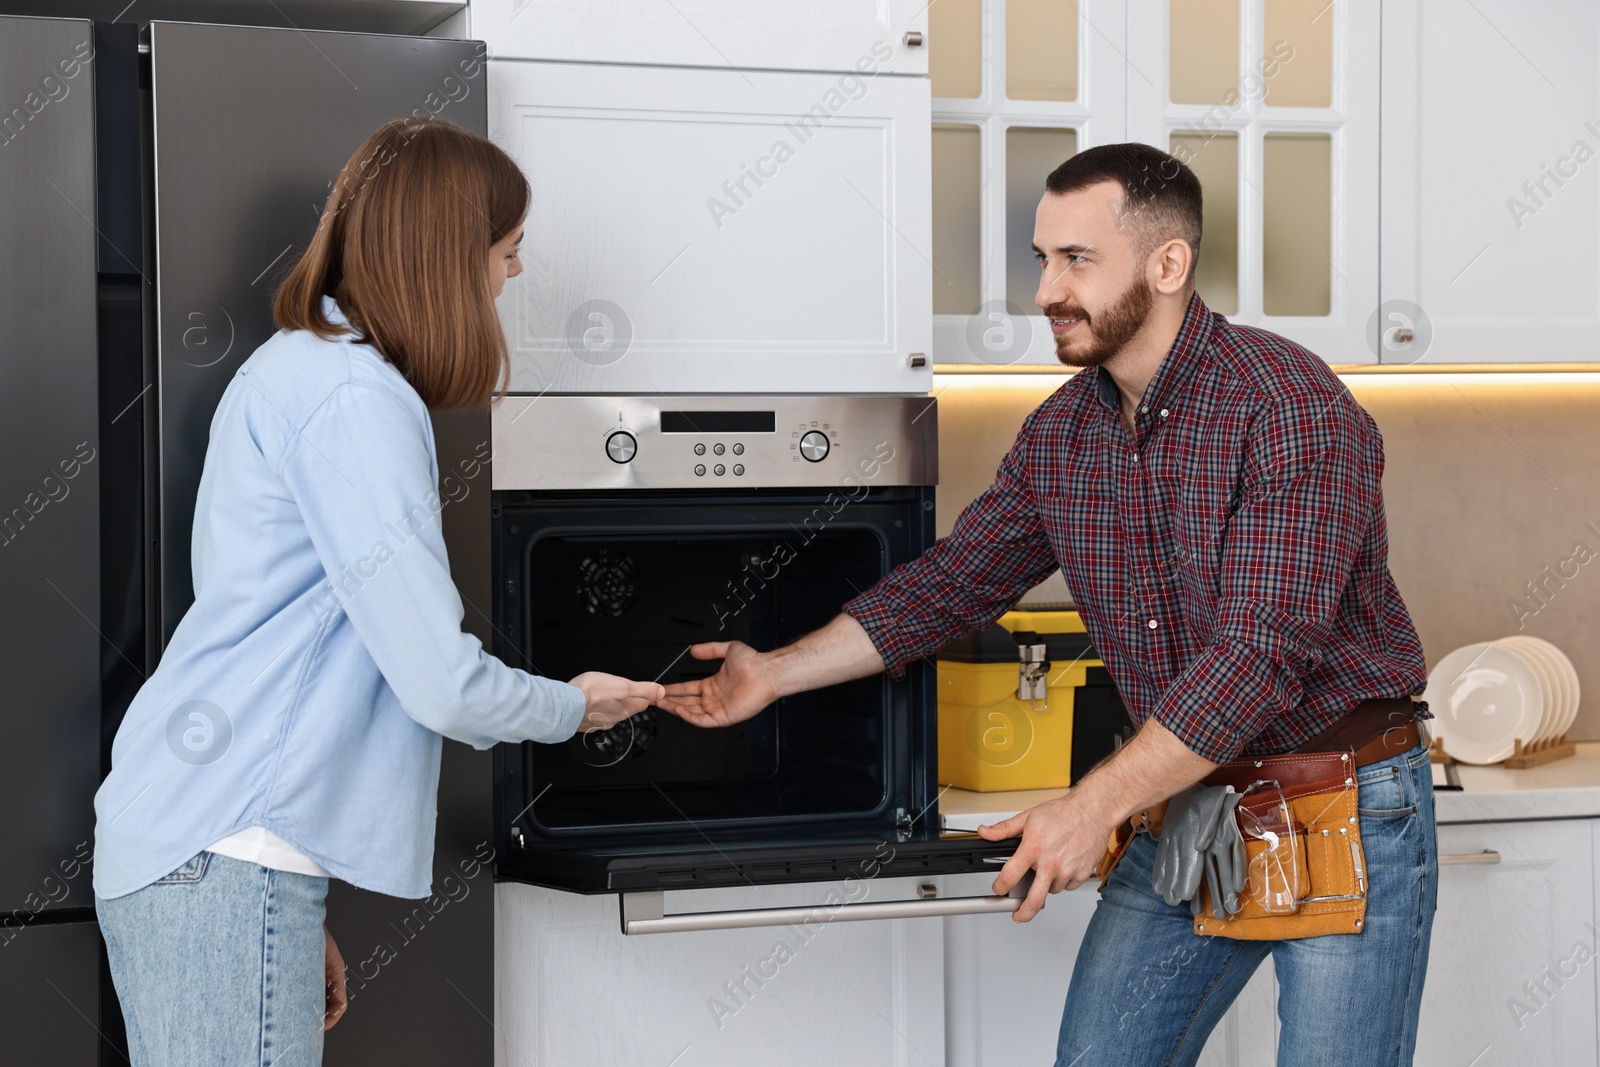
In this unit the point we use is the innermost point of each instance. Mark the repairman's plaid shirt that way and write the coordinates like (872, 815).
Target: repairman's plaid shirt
(1229, 557)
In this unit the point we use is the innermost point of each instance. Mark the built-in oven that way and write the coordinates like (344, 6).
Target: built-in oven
(626, 530)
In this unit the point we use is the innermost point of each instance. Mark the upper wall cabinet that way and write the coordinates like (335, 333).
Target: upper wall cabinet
(1491, 217)
(717, 230)
(825, 35)
(1274, 105)
(1018, 86)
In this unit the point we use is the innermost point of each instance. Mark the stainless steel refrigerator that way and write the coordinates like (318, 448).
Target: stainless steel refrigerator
(155, 183)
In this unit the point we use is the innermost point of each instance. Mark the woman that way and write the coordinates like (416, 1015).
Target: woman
(292, 732)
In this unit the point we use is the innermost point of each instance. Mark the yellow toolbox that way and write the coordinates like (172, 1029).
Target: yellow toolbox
(1025, 704)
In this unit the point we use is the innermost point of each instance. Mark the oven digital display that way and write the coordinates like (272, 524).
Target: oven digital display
(719, 422)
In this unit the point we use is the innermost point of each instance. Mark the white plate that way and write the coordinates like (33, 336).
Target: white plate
(1568, 676)
(1538, 656)
(1484, 697)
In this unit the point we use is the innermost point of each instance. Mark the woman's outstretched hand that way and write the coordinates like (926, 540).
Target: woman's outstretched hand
(612, 699)
(736, 692)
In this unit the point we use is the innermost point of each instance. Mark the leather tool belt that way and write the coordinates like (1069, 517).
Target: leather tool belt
(1301, 828)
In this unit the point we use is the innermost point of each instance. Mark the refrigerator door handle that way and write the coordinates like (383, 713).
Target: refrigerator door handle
(645, 912)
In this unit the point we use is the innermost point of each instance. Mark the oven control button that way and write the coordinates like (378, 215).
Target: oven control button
(814, 446)
(700, 469)
(719, 470)
(717, 448)
(738, 450)
(699, 450)
(738, 468)
(621, 446)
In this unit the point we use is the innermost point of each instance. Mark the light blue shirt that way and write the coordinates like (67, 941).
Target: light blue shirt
(307, 688)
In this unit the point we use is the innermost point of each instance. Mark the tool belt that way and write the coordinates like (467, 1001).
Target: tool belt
(1298, 816)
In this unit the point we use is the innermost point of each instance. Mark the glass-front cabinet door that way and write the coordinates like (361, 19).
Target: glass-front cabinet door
(1260, 97)
(1018, 87)
(1274, 104)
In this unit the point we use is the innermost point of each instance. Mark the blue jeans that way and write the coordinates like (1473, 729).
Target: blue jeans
(1147, 990)
(220, 964)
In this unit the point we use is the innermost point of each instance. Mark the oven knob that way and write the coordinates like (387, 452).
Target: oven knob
(814, 446)
(621, 446)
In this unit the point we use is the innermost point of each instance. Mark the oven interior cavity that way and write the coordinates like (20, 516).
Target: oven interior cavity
(630, 596)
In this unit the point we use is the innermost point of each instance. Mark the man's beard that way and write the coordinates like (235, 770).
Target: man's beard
(1111, 329)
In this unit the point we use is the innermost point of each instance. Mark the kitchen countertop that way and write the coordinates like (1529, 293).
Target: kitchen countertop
(1562, 789)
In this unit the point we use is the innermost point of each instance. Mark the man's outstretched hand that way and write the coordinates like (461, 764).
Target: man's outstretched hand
(740, 690)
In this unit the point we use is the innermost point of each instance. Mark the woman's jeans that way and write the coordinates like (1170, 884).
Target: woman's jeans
(220, 964)
(1147, 990)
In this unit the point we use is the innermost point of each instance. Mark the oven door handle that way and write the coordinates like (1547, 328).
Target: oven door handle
(645, 912)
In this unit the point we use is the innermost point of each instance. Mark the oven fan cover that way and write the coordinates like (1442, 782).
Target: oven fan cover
(608, 585)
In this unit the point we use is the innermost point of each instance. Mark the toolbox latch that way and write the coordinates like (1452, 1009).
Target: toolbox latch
(1033, 671)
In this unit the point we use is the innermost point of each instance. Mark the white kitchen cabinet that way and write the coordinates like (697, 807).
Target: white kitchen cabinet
(1491, 130)
(717, 230)
(572, 989)
(828, 35)
(1511, 974)
(1006, 983)
(1501, 931)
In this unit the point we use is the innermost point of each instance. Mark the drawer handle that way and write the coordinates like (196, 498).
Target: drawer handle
(1487, 856)
(645, 913)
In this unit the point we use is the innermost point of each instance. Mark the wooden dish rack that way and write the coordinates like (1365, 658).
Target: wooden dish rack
(1540, 752)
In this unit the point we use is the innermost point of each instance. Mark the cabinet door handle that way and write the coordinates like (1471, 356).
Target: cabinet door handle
(1488, 855)
(645, 913)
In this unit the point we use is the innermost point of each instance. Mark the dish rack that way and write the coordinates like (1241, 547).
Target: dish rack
(1540, 752)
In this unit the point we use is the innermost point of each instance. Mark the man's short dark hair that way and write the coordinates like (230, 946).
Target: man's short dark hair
(1162, 194)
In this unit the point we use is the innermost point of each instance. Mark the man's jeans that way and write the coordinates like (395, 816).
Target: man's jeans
(1147, 990)
(220, 964)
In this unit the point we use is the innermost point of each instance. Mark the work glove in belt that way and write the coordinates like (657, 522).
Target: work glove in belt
(1200, 838)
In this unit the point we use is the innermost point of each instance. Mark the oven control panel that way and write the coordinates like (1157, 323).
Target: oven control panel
(676, 442)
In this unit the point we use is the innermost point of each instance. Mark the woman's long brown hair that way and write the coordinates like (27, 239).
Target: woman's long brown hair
(403, 246)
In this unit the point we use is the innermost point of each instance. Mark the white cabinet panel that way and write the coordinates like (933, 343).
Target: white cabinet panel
(717, 231)
(1511, 969)
(572, 989)
(1491, 201)
(1005, 981)
(774, 34)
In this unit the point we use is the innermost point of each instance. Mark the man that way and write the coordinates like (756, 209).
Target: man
(1213, 496)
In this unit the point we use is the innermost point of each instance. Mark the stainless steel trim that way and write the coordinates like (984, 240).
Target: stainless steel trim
(644, 913)
(559, 442)
(1487, 856)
